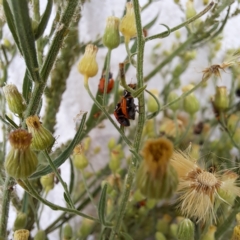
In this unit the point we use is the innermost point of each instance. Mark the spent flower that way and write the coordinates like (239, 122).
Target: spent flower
(21, 161)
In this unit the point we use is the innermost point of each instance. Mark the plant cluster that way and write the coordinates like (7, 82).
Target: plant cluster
(166, 177)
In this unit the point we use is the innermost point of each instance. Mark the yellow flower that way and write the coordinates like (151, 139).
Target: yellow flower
(199, 190)
(156, 178)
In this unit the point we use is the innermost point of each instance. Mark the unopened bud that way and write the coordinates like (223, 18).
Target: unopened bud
(190, 103)
(221, 101)
(42, 137)
(88, 66)
(171, 97)
(86, 228)
(128, 23)
(111, 143)
(79, 159)
(210, 234)
(232, 122)
(20, 221)
(164, 224)
(41, 235)
(111, 37)
(190, 10)
(14, 99)
(21, 234)
(67, 232)
(47, 182)
(185, 230)
(152, 105)
(159, 236)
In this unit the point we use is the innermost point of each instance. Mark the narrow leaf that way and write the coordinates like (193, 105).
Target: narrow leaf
(150, 24)
(102, 207)
(72, 177)
(65, 155)
(44, 20)
(10, 22)
(11, 122)
(126, 236)
(27, 87)
(25, 35)
(66, 199)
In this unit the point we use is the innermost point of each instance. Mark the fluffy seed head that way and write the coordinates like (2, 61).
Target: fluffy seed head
(199, 190)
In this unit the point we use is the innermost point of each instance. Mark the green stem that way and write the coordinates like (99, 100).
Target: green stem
(87, 189)
(56, 207)
(60, 179)
(169, 58)
(106, 77)
(5, 207)
(57, 43)
(140, 124)
(105, 112)
(166, 33)
(182, 96)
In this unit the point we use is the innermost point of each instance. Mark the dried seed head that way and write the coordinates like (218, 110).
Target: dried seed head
(88, 66)
(199, 190)
(14, 99)
(42, 138)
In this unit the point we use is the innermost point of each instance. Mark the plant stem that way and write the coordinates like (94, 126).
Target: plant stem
(105, 112)
(5, 206)
(106, 77)
(53, 206)
(166, 33)
(60, 179)
(140, 124)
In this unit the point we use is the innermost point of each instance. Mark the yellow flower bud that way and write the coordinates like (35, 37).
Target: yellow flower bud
(88, 66)
(21, 234)
(111, 143)
(47, 182)
(232, 122)
(20, 221)
(42, 137)
(190, 10)
(185, 230)
(14, 99)
(128, 23)
(221, 101)
(79, 159)
(86, 228)
(21, 161)
(163, 224)
(111, 37)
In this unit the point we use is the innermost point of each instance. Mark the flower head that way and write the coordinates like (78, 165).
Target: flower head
(21, 234)
(199, 189)
(88, 66)
(128, 24)
(21, 161)
(42, 137)
(15, 100)
(156, 178)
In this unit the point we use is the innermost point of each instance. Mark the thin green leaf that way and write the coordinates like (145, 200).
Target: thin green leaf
(126, 236)
(10, 22)
(27, 87)
(12, 123)
(25, 35)
(150, 24)
(139, 91)
(102, 207)
(72, 177)
(66, 199)
(65, 155)
(44, 20)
